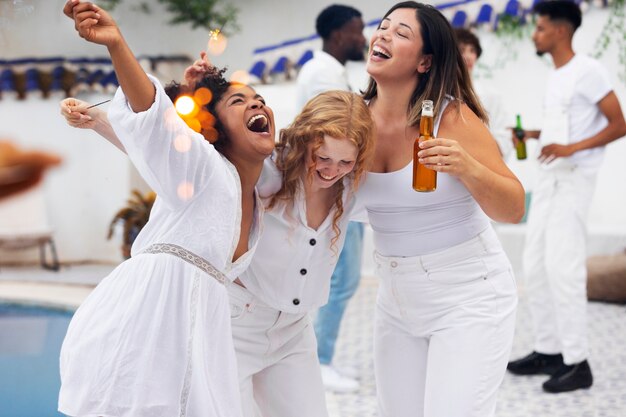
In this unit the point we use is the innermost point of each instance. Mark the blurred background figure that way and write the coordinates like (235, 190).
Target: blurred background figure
(499, 119)
(341, 30)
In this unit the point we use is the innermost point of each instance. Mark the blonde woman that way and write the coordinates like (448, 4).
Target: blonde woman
(319, 162)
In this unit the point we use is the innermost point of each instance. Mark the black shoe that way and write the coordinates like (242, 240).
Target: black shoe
(570, 378)
(536, 363)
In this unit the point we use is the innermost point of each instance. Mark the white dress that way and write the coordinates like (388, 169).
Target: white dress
(154, 338)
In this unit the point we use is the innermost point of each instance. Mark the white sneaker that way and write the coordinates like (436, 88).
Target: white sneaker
(333, 381)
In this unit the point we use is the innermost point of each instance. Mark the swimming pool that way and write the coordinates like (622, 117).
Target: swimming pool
(30, 342)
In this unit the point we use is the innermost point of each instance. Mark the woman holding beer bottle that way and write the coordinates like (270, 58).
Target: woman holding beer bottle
(446, 305)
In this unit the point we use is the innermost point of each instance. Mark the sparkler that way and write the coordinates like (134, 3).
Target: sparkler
(97, 104)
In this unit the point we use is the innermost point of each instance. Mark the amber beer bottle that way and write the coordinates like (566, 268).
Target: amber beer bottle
(424, 179)
(520, 148)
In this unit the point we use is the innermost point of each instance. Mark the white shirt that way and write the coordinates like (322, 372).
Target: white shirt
(198, 203)
(591, 84)
(408, 223)
(293, 262)
(321, 73)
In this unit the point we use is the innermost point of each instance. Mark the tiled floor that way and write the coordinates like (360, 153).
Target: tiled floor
(519, 396)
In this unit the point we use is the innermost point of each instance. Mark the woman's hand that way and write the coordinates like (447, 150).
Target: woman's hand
(92, 23)
(78, 115)
(196, 71)
(446, 155)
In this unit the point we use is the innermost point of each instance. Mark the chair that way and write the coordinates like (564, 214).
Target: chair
(24, 225)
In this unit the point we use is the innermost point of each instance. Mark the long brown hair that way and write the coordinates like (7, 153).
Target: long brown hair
(338, 114)
(448, 75)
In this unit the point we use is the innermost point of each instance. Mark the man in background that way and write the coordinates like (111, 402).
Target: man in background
(581, 116)
(341, 29)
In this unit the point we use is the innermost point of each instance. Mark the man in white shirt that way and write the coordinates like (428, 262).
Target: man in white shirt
(581, 115)
(341, 30)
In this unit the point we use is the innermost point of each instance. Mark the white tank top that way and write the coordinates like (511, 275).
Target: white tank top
(409, 223)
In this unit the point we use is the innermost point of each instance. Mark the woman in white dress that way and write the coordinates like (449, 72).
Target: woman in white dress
(154, 338)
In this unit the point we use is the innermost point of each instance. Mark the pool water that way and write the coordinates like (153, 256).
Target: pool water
(30, 342)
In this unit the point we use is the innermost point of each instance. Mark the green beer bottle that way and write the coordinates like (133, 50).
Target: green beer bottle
(520, 148)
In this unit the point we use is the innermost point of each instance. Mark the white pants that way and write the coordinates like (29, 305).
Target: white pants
(279, 373)
(444, 329)
(554, 262)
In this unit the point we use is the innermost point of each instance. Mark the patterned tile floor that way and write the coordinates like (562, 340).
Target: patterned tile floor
(519, 396)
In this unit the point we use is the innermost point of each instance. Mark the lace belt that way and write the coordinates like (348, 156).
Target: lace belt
(187, 256)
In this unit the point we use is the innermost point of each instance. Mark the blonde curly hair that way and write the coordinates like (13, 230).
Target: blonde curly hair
(338, 114)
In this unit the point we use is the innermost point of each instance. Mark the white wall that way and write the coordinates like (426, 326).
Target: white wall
(46, 32)
(82, 194)
(95, 179)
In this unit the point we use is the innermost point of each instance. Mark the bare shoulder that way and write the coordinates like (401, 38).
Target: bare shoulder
(459, 122)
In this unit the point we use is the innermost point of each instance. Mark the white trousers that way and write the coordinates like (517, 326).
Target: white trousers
(444, 329)
(554, 262)
(279, 372)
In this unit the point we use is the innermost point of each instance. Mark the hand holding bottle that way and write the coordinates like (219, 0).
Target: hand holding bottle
(446, 155)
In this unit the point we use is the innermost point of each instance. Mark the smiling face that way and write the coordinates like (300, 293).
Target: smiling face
(247, 121)
(334, 159)
(396, 47)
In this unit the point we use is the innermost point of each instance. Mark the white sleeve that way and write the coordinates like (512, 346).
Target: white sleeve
(176, 162)
(270, 179)
(595, 83)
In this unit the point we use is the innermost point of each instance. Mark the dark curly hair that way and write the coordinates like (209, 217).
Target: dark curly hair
(214, 80)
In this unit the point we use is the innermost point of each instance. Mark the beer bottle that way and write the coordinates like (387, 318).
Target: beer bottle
(424, 179)
(520, 148)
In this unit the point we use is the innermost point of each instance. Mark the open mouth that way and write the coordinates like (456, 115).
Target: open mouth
(258, 124)
(380, 52)
(326, 177)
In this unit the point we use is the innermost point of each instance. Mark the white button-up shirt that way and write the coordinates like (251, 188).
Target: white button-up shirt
(321, 73)
(293, 262)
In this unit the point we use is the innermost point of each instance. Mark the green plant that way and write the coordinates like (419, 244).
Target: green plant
(614, 29)
(133, 218)
(511, 30)
(206, 14)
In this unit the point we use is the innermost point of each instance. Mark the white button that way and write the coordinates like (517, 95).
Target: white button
(394, 264)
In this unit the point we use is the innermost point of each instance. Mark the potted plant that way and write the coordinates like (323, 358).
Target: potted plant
(133, 218)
